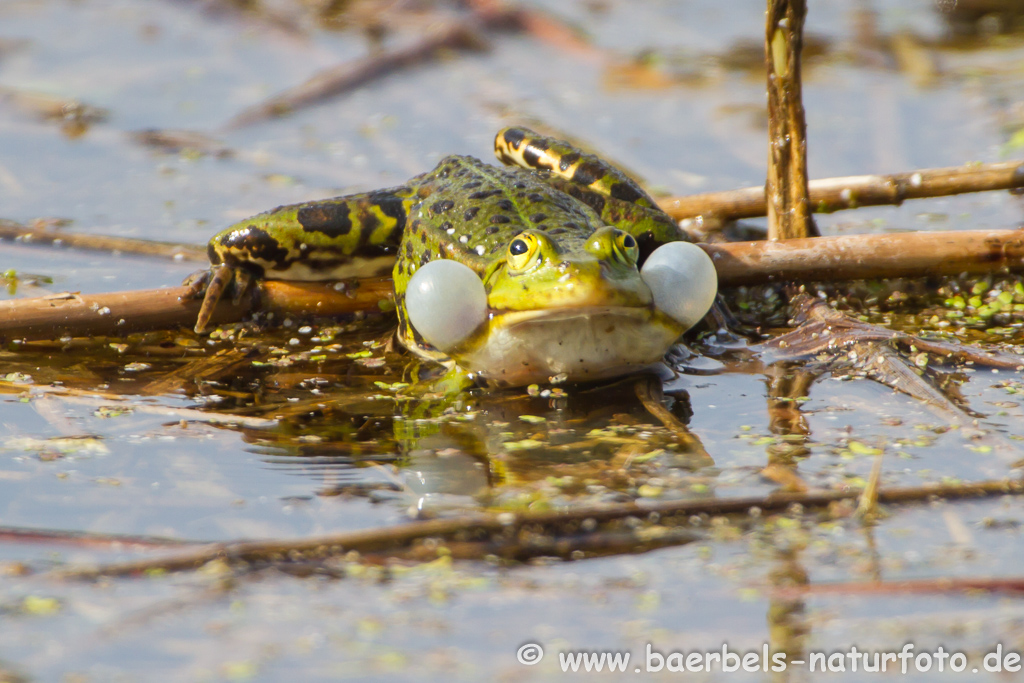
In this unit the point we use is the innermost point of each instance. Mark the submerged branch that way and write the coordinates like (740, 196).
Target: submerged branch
(826, 259)
(511, 526)
(338, 79)
(11, 230)
(466, 34)
(835, 194)
(86, 539)
(910, 586)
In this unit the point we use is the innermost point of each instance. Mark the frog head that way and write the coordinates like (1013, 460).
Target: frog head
(584, 308)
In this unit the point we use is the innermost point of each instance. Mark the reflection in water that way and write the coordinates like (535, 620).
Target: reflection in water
(510, 449)
(788, 624)
(788, 387)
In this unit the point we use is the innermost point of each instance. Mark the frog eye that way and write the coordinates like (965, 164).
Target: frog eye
(626, 246)
(521, 251)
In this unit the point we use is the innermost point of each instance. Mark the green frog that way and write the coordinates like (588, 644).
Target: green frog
(559, 266)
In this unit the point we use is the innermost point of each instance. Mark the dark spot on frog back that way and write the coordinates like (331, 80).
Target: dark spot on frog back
(442, 206)
(482, 194)
(330, 218)
(392, 205)
(625, 192)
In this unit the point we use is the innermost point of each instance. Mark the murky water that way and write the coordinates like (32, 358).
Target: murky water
(892, 92)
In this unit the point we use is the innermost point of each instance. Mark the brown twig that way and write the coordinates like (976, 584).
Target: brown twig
(118, 313)
(338, 79)
(857, 257)
(789, 213)
(936, 585)
(466, 34)
(471, 527)
(835, 194)
(851, 257)
(86, 539)
(11, 230)
(648, 390)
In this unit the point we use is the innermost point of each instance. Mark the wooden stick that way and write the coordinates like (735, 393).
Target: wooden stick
(864, 257)
(849, 257)
(835, 194)
(469, 526)
(119, 313)
(789, 214)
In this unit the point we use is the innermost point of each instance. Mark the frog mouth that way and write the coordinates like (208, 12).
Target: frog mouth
(575, 344)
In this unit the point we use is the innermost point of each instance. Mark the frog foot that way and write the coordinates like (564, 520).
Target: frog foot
(211, 284)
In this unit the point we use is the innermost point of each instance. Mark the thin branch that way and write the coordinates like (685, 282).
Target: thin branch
(835, 194)
(648, 390)
(466, 34)
(936, 585)
(338, 79)
(86, 539)
(11, 230)
(472, 527)
(864, 257)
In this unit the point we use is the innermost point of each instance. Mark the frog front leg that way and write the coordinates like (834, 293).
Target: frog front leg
(331, 239)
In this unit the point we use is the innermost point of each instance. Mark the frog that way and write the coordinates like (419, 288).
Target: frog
(556, 266)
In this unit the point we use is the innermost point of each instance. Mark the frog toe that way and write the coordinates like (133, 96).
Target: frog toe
(196, 283)
(217, 280)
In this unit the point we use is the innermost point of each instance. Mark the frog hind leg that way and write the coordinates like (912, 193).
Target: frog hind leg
(616, 197)
(332, 239)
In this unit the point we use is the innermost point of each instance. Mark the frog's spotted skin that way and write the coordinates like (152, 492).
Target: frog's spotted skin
(556, 243)
(330, 239)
